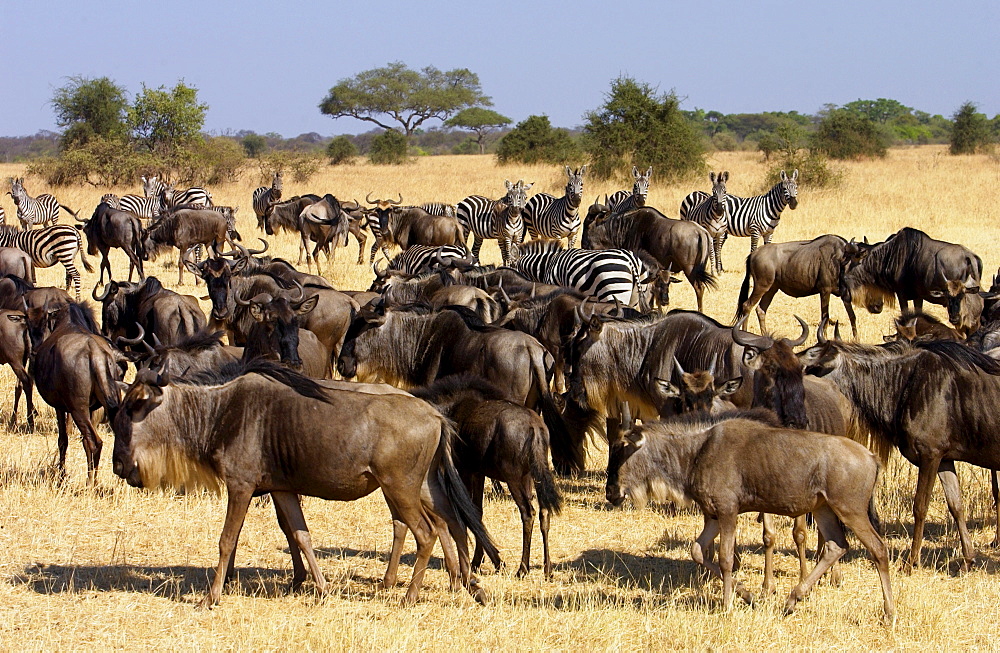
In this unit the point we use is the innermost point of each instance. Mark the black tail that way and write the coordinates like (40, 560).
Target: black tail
(744, 294)
(545, 485)
(568, 453)
(451, 483)
(700, 277)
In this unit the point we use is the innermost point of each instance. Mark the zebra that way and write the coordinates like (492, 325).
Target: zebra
(758, 216)
(171, 197)
(111, 200)
(3, 217)
(498, 220)
(438, 208)
(50, 245)
(151, 187)
(419, 258)
(710, 211)
(147, 208)
(265, 198)
(41, 210)
(606, 274)
(623, 201)
(548, 216)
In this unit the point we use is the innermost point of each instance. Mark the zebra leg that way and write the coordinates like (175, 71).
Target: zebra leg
(571, 240)
(374, 249)
(717, 242)
(754, 240)
(477, 244)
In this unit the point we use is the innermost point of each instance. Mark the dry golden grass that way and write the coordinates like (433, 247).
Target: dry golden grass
(122, 568)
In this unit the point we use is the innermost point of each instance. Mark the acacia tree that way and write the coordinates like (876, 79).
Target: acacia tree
(88, 109)
(163, 120)
(396, 93)
(482, 122)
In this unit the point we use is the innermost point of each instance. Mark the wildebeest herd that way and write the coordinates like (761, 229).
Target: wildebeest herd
(454, 371)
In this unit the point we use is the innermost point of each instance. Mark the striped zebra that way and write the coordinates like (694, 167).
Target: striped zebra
(710, 211)
(498, 220)
(606, 274)
(419, 258)
(753, 217)
(171, 197)
(41, 210)
(548, 216)
(623, 201)
(48, 246)
(439, 208)
(3, 216)
(147, 208)
(265, 198)
(111, 200)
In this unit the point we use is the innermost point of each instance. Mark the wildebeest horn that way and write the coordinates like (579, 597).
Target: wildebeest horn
(618, 308)
(503, 292)
(677, 364)
(836, 330)
(397, 203)
(821, 331)
(131, 341)
(626, 416)
(156, 341)
(379, 274)
(149, 350)
(302, 292)
(747, 339)
(254, 252)
(802, 338)
(107, 291)
(580, 312)
(368, 198)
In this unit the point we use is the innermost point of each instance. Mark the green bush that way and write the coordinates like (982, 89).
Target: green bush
(535, 140)
(971, 132)
(389, 148)
(301, 166)
(814, 170)
(637, 126)
(846, 135)
(99, 162)
(208, 161)
(341, 150)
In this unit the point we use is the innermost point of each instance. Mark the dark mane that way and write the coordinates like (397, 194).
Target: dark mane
(960, 355)
(471, 319)
(457, 386)
(301, 384)
(762, 415)
(911, 314)
(200, 341)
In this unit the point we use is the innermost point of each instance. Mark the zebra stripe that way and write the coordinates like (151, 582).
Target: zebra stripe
(147, 208)
(710, 211)
(264, 199)
(548, 216)
(758, 216)
(415, 259)
(498, 220)
(623, 201)
(439, 208)
(42, 210)
(171, 197)
(111, 200)
(3, 217)
(606, 274)
(48, 246)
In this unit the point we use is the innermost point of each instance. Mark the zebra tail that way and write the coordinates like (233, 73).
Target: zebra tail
(744, 294)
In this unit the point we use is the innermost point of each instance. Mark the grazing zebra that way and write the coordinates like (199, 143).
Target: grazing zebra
(419, 258)
(548, 216)
(623, 201)
(758, 216)
(498, 220)
(147, 208)
(606, 274)
(42, 210)
(265, 198)
(48, 246)
(709, 210)
(111, 200)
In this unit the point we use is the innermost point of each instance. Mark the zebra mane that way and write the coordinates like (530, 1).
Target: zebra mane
(541, 247)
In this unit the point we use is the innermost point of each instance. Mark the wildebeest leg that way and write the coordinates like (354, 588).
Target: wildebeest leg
(105, 263)
(953, 496)
(852, 317)
(544, 517)
(63, 441)
(448, 548)
(921, 499)
(918, 305)
(180, 269)
(398, 539)
(412, 514)
(765, 303)
(475, 484)
(315, 257)
(303, 247)
(768, 538)
(92, 444)
(361, 238)
(727, 551)
(833, 549)
(23, 382)
(799, 534)
(703, 549)
(287, 504)
(865, 531)
(521, 491)
(994, 482)
(236, 512)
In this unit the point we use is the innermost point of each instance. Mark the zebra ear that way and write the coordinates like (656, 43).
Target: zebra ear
(635, 172)
(649, 171)
(583, 170)
(795, 174)
(711, 177)
(569, 171)
(510, 185)
(725, 176)
(784, 177)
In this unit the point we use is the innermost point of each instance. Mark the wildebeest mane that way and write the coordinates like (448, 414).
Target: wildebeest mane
(456, 386)
(961, 355)
(702, 420)
(470, 318)
(82, 315)
(200, 341)
(300, 383)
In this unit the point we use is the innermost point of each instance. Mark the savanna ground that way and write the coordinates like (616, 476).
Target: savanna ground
(123, 568)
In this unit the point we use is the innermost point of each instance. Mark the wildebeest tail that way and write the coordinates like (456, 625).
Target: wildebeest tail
(454, 490)
(538, 460)
(568, 453)
(744, 294)
(700, 276)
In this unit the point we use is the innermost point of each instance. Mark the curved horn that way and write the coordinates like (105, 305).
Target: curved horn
(369, 200)
(398, 202)
(503, 292)
(240, 301)
(156, 341)
(107, 291)
(149, 350)
(254, 252)
(302, 292)
(379, 274)
(131, 341)
(821, 331)
(802, 338)
(581, 313)
(836, 330)
(747, 339)
(677, 364)
(618, 308)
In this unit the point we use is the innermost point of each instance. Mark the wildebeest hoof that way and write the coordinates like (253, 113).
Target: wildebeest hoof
(478, 593)
(206, 603)
(768, 589)
(522, 571)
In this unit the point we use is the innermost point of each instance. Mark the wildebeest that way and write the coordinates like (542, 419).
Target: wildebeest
(914, 325)
(406, 227)
(326, 224)
(413, 347)
(933, 401)
(506, 442)
(799, 268)
(277, 336)
(76, 371)
(184, 229)
(111, 228)
(16, 262)
(164, 315)
(14, 350)
(910, 265)
(675, 245)
(198, 352)
(439, 290)
(741, 462)
(288, 443)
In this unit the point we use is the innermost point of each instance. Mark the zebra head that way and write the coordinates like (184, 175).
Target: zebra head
(641, 187)
(719, 188)
(276, 186)
(790, 188)
(151, 187)
(17, 192)
(574, 187)
(517, 194)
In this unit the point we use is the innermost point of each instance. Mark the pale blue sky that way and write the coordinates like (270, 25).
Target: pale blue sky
(266, 66)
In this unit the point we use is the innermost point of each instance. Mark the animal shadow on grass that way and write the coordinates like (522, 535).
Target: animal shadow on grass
(180, 583)
(941, 550)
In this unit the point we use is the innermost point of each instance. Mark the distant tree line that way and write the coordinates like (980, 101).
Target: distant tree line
(109, 138)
